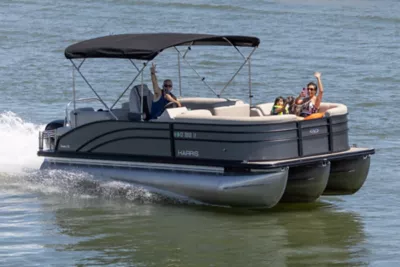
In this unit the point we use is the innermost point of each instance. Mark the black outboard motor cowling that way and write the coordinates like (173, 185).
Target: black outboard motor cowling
(49, 138)
(54, 125)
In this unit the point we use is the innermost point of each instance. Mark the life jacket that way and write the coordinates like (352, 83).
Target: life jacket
(286, 111)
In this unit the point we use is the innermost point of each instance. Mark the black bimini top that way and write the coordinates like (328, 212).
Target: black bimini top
(148, 46)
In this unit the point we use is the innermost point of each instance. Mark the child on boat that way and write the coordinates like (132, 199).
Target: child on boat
(279, 107)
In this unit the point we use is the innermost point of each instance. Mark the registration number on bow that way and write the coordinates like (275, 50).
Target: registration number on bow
(188, 135)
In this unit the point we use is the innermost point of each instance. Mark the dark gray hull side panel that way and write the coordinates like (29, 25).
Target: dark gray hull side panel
(339, 119)
(340, 142)
(279, 127)
(316, 145)
(80, 136)
(236, 151)
(340, 127)
(339, 133)
(123, 134)
(213, 142)
(307, 124)
(148, 147)
(235, 137)
(315, 131)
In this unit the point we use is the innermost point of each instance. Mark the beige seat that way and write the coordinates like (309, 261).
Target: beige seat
(207, 103)
(264, 109)
(198, 113)
(170, 114)
(205, 117)
(333, 109)
(238, 110)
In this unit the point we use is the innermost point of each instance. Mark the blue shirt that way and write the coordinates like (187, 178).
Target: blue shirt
(158, 107)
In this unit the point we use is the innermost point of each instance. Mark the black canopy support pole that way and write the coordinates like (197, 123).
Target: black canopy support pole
(133, 63)
(250, 93)
(240, 68)
(94, 91)
(237, 49)
(249, 60)
(141, 94)
(202, 78)
(83, 61)
(187, 50)
(134, 79)
(74, 97)
(73, 82)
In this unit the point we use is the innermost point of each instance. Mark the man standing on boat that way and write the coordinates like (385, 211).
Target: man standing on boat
(162, 97)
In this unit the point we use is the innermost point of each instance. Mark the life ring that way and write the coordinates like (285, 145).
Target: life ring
(317, 115)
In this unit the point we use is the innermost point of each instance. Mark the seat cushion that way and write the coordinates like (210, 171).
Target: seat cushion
(239, 110)
(265, 108)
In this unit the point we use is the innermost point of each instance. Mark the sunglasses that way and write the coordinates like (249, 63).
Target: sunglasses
(311, 89)
(168, 85)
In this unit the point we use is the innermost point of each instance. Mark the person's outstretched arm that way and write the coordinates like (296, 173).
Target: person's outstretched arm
(156, 88)
(321, 89)
(171, 99)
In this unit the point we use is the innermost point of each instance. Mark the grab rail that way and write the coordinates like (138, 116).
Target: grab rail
(40, 140)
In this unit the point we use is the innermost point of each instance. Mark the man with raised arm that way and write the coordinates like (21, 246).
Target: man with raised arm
(162, 97)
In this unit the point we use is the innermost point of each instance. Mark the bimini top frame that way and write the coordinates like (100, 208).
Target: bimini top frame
(147, 46)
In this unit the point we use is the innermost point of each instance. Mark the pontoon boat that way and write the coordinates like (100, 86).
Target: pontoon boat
(217, 151)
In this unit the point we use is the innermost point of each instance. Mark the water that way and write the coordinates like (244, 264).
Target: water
(60, 218)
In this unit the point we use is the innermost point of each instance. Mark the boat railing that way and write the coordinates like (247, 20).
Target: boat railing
(67, 120)
(40, 140)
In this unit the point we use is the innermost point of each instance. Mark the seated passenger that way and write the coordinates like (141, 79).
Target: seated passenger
(309, 105)
(296, 106)
(279, 107)
(161, 97)
(289, 104)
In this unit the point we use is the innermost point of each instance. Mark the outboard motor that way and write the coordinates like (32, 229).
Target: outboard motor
(54, 125)
(49, 133)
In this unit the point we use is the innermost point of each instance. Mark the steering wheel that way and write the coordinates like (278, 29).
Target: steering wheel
(171, 105)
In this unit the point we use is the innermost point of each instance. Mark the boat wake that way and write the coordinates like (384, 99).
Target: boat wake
(20, 170)
(73, 184)
(19, 142)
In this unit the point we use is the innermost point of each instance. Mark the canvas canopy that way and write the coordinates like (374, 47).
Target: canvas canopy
(148, 46)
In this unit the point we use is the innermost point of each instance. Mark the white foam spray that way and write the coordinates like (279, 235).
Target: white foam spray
(19, 144)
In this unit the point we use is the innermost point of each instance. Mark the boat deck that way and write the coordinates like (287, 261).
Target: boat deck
(353, 152)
